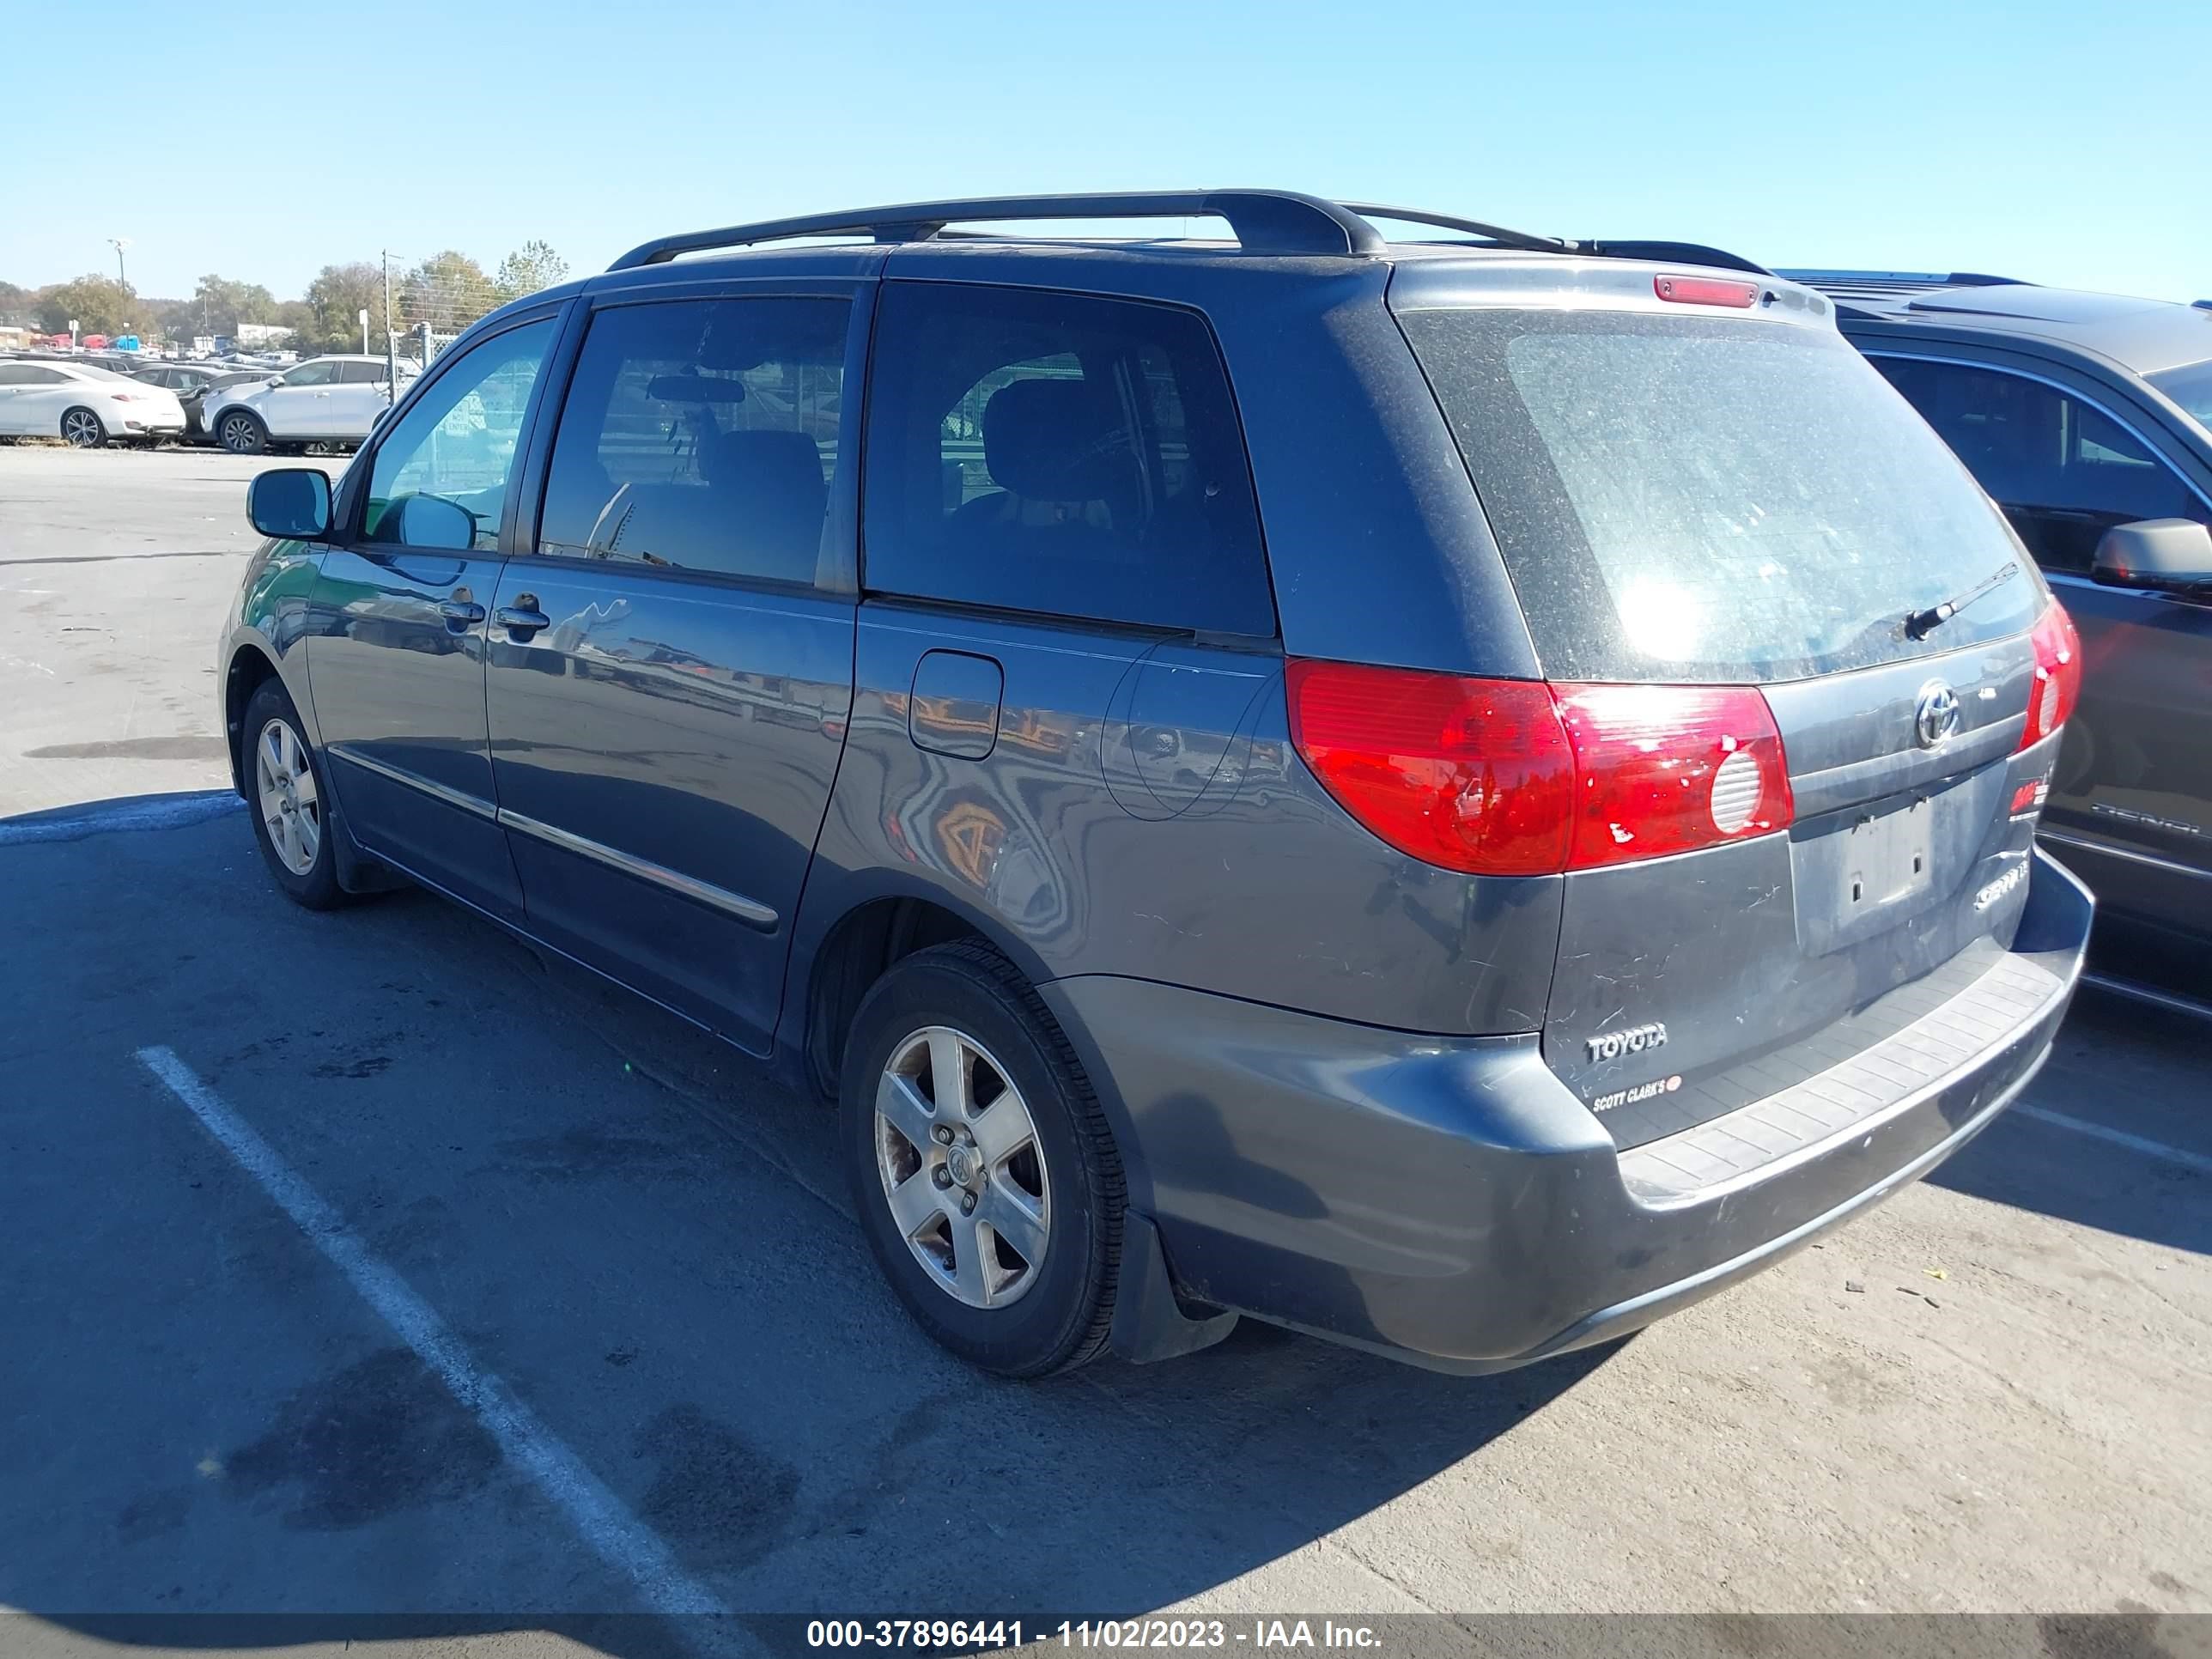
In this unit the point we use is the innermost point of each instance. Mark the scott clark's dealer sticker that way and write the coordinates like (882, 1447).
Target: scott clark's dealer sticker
(1665, 1085)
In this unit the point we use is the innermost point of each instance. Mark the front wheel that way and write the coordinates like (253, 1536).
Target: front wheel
(286, 788)
(81, 428)
(241, 432)
(984, 1172)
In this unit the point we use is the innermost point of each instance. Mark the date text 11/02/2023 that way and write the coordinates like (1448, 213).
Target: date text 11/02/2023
(983, 1635)
(1256, 1635)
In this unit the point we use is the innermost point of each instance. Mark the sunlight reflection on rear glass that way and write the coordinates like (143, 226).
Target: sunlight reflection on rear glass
(1662, 621)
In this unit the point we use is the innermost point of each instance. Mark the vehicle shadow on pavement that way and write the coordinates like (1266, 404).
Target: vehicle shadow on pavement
(2111, 1066)
(619, 1217)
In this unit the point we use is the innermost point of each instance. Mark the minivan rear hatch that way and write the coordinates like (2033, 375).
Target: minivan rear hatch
(1731, 541)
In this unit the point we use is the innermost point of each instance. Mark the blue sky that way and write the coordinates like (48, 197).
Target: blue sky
(2064, 144)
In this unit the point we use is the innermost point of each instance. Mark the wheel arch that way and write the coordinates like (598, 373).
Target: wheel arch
(249, 664)
(877, 920)
(215, 429)
(848, 953)
(61, 421)
(250, 667)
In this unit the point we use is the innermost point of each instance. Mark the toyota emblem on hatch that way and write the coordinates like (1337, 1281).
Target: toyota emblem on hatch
(1937, 715)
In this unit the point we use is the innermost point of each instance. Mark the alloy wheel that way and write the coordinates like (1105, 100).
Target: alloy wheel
(284, 788)
(961, 1168)
(81, 428)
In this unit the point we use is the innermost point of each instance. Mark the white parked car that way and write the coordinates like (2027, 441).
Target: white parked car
(327, 400)
(83, 405)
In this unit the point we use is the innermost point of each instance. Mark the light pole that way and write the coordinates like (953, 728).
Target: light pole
(118, 243)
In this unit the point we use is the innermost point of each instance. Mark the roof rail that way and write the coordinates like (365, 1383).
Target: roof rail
(1688, 253)
(1265, 221)
(1897, 282)
(1498, 233)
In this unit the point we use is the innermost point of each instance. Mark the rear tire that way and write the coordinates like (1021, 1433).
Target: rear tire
(241, 432)
(288, 793)
(1020, 1281)
(82, 428)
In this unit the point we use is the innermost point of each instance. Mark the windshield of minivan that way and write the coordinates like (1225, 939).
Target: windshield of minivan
(2190, 386)
(1713, 501)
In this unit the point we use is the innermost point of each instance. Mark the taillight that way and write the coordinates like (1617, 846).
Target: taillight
(1517, 777)
(1668, 769)
(2058, 685)
(1472, 774)
(1705, 291)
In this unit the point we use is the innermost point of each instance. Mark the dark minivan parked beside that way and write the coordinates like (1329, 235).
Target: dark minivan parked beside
(1457, 797)
(2088, 419)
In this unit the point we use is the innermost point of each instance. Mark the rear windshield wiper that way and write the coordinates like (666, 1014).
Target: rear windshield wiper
(1919, 624)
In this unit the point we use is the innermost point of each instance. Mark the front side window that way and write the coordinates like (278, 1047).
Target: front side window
(440, 475)
(2063, 471)
(700, 434)
(1059, 453)
(311, 375)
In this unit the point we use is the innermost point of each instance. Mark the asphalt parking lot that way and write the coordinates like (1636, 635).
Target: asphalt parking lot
(1991, 1395)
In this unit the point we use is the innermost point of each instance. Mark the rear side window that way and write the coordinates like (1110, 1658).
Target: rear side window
(1062, 454)
(2067, 471)
(700, 434)
(361, 373)
(1698, 500)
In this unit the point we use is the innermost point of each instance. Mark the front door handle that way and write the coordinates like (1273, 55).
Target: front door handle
(521, 621)
(461, 613)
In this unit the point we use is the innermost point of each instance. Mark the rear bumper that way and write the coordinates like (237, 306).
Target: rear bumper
(1449, 1201)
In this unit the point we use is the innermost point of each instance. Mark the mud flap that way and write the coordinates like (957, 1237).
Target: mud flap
(1149, 1323)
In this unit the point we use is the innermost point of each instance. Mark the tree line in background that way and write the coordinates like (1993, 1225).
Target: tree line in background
(448, 291)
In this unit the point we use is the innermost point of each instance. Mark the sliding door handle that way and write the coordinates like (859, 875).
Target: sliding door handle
(521, 621)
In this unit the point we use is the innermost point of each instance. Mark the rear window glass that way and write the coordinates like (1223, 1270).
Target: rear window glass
(2190, 386)
(1697, 500)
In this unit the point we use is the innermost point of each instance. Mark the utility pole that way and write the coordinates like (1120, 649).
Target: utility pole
(391, 344)
(118, 243)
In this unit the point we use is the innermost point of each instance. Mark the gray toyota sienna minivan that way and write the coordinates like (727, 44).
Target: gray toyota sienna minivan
(1455, 795)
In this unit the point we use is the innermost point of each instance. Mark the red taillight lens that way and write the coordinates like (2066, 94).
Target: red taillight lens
(1514, 777)
(1472, 774)
(1666, 768)
(1705, 291)
(2058, 685)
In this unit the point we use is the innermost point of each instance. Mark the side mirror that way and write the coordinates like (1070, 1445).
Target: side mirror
(2171, 554)
(293, 503)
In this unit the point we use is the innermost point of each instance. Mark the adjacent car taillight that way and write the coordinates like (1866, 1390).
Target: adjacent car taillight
(1518, 777)
(2058, 685)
